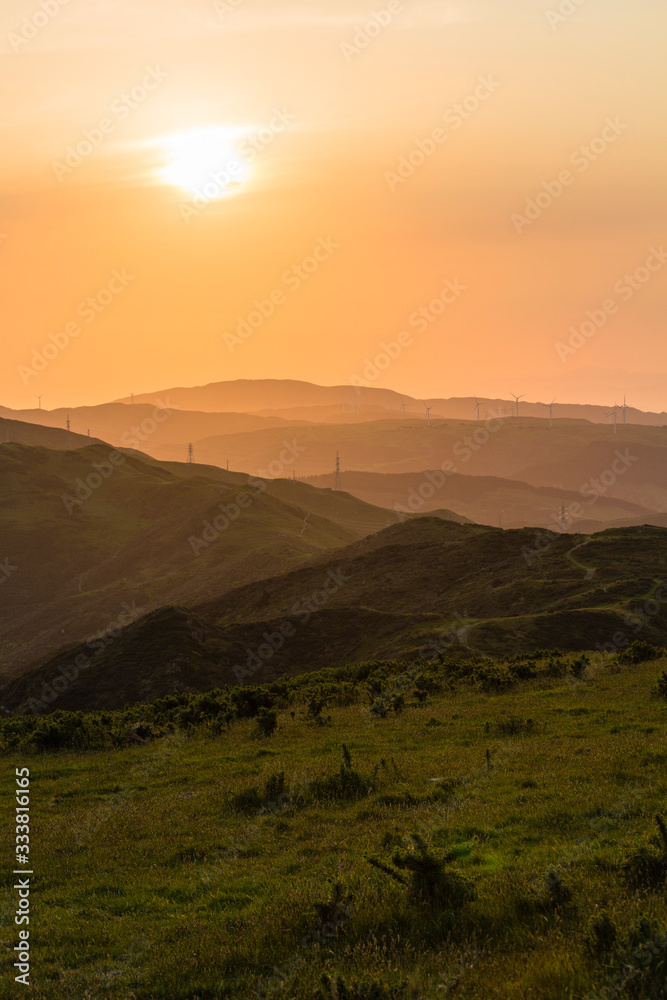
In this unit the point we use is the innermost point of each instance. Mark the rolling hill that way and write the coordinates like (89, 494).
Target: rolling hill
(575, 456)
(491, 500)
(122, 532)
(425, 587)
(297, 400)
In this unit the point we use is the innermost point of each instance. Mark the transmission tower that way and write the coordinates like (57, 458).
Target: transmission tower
(337, 482)
(191, 455)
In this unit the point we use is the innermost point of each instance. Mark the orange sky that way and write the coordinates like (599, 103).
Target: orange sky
(355, 97)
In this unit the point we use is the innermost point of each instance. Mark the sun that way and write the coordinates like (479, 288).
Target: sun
(206, 162)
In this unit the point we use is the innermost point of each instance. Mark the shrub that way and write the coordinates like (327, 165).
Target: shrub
(639, 652)
(639, 964)
(493, 678)
(602, 936)
(334, 988)
(315, 705)
(248, 800)
(661, 687)
(555, 667)
(578, 667)
(345, 784)
(645, 868)
(523, 671)
(336, 909)
(550, 896)
(267, 721)
(273, 797)
(514, 727)
(429, 879)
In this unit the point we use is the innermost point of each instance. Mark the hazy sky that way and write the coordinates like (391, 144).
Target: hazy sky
(306, 110)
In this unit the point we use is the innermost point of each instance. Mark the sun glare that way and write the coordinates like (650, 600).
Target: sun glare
(207, 162)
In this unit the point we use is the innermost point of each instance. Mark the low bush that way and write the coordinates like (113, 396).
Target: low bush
(639, 652)
(347, 783)
(334, 988)
(428, 877)
(646, 868)
(638, 964)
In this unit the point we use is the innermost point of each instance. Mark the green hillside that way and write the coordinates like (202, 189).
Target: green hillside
(405, 833)
(419, 588)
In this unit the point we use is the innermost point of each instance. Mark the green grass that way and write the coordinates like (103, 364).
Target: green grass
(151, 882)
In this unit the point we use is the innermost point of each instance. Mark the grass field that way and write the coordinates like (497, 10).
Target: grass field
(232, 864)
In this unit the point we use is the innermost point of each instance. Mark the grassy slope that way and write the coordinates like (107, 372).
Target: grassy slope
(129, 541)
(36, 434)
(219, 908)
(463, 587)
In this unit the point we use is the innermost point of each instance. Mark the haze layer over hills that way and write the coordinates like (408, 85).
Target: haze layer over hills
(133, 531)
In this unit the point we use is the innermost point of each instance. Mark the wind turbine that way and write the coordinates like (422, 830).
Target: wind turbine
(428, 413)
(625, 406)
(517, 398)
(403, 407)
(40, 398)
(476, 407)
(551, 411)
(612, 413)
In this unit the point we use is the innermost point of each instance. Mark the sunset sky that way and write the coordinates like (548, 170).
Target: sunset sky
(304, 110)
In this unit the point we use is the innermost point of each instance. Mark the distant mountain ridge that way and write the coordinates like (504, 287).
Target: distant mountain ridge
(292, 400)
